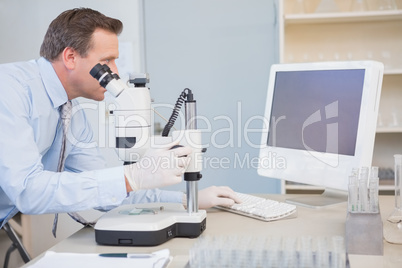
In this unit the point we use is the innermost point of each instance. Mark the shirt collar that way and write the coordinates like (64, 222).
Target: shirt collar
(51, 81)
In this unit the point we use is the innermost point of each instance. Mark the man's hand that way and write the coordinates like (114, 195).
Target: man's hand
(217, 196)
(158, 168)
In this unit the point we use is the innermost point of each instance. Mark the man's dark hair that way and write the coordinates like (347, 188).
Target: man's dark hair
(74, 28)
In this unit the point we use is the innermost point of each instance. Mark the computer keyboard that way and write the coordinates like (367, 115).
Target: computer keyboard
(260, 208)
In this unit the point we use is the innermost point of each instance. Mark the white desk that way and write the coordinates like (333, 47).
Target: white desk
(322, 222)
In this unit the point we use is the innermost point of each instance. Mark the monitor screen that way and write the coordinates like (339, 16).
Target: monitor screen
(316, 104)
(320, 121)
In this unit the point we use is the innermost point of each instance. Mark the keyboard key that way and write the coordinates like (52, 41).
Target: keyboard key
(261, 208)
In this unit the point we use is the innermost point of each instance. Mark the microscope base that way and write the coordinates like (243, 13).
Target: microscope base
(148, 224)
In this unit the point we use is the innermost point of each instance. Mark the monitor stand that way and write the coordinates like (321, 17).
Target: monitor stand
(327, 198)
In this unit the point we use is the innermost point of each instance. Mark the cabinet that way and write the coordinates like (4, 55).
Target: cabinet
(327, 30)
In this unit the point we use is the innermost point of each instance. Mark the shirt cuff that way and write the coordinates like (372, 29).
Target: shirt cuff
(171, 197)
(111, 186)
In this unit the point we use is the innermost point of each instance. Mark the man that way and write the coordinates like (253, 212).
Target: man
(31, 136)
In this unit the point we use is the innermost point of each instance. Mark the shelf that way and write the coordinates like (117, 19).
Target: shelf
(386, 188)
(397, 71)
(383, 130)
(340, 17)
(344, 36)
(382, 187)
(302, 187)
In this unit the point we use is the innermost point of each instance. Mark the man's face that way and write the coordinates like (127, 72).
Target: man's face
(105, 50)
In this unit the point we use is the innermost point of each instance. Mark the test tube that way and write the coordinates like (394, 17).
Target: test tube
(306, 252)
(338, 256)
(364, 173)
(373, 190)
(289, 254)
(374, 172)
(322, 254)
(398, 182)
(355, 172)
(352, 197)
(363, 191)
(274, 250)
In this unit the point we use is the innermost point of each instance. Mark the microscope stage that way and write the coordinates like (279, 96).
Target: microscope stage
(148, 224)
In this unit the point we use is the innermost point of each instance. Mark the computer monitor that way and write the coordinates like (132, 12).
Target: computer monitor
(320, 123)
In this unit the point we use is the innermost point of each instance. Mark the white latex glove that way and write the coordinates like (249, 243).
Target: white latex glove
(217, 196)
(158, 167)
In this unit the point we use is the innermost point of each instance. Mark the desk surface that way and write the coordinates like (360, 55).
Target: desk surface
(328, 221)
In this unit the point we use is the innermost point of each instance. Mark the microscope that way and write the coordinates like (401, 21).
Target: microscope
(149, 224)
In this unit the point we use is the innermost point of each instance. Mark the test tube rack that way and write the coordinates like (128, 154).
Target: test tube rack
(269, 251)
(364, 227)
(364, 234)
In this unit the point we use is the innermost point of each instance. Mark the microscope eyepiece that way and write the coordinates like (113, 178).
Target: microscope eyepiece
(103, 74)
(98, 70)
(107, 79)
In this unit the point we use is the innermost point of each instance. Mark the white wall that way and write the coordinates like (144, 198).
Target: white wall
(223, 51)
(24, 24)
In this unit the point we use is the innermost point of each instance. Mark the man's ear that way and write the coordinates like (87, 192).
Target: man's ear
(69, 56)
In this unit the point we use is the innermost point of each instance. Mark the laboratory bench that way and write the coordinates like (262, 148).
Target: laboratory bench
(328, 221)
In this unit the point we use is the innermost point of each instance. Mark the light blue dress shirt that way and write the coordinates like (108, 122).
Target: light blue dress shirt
(30, 143)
